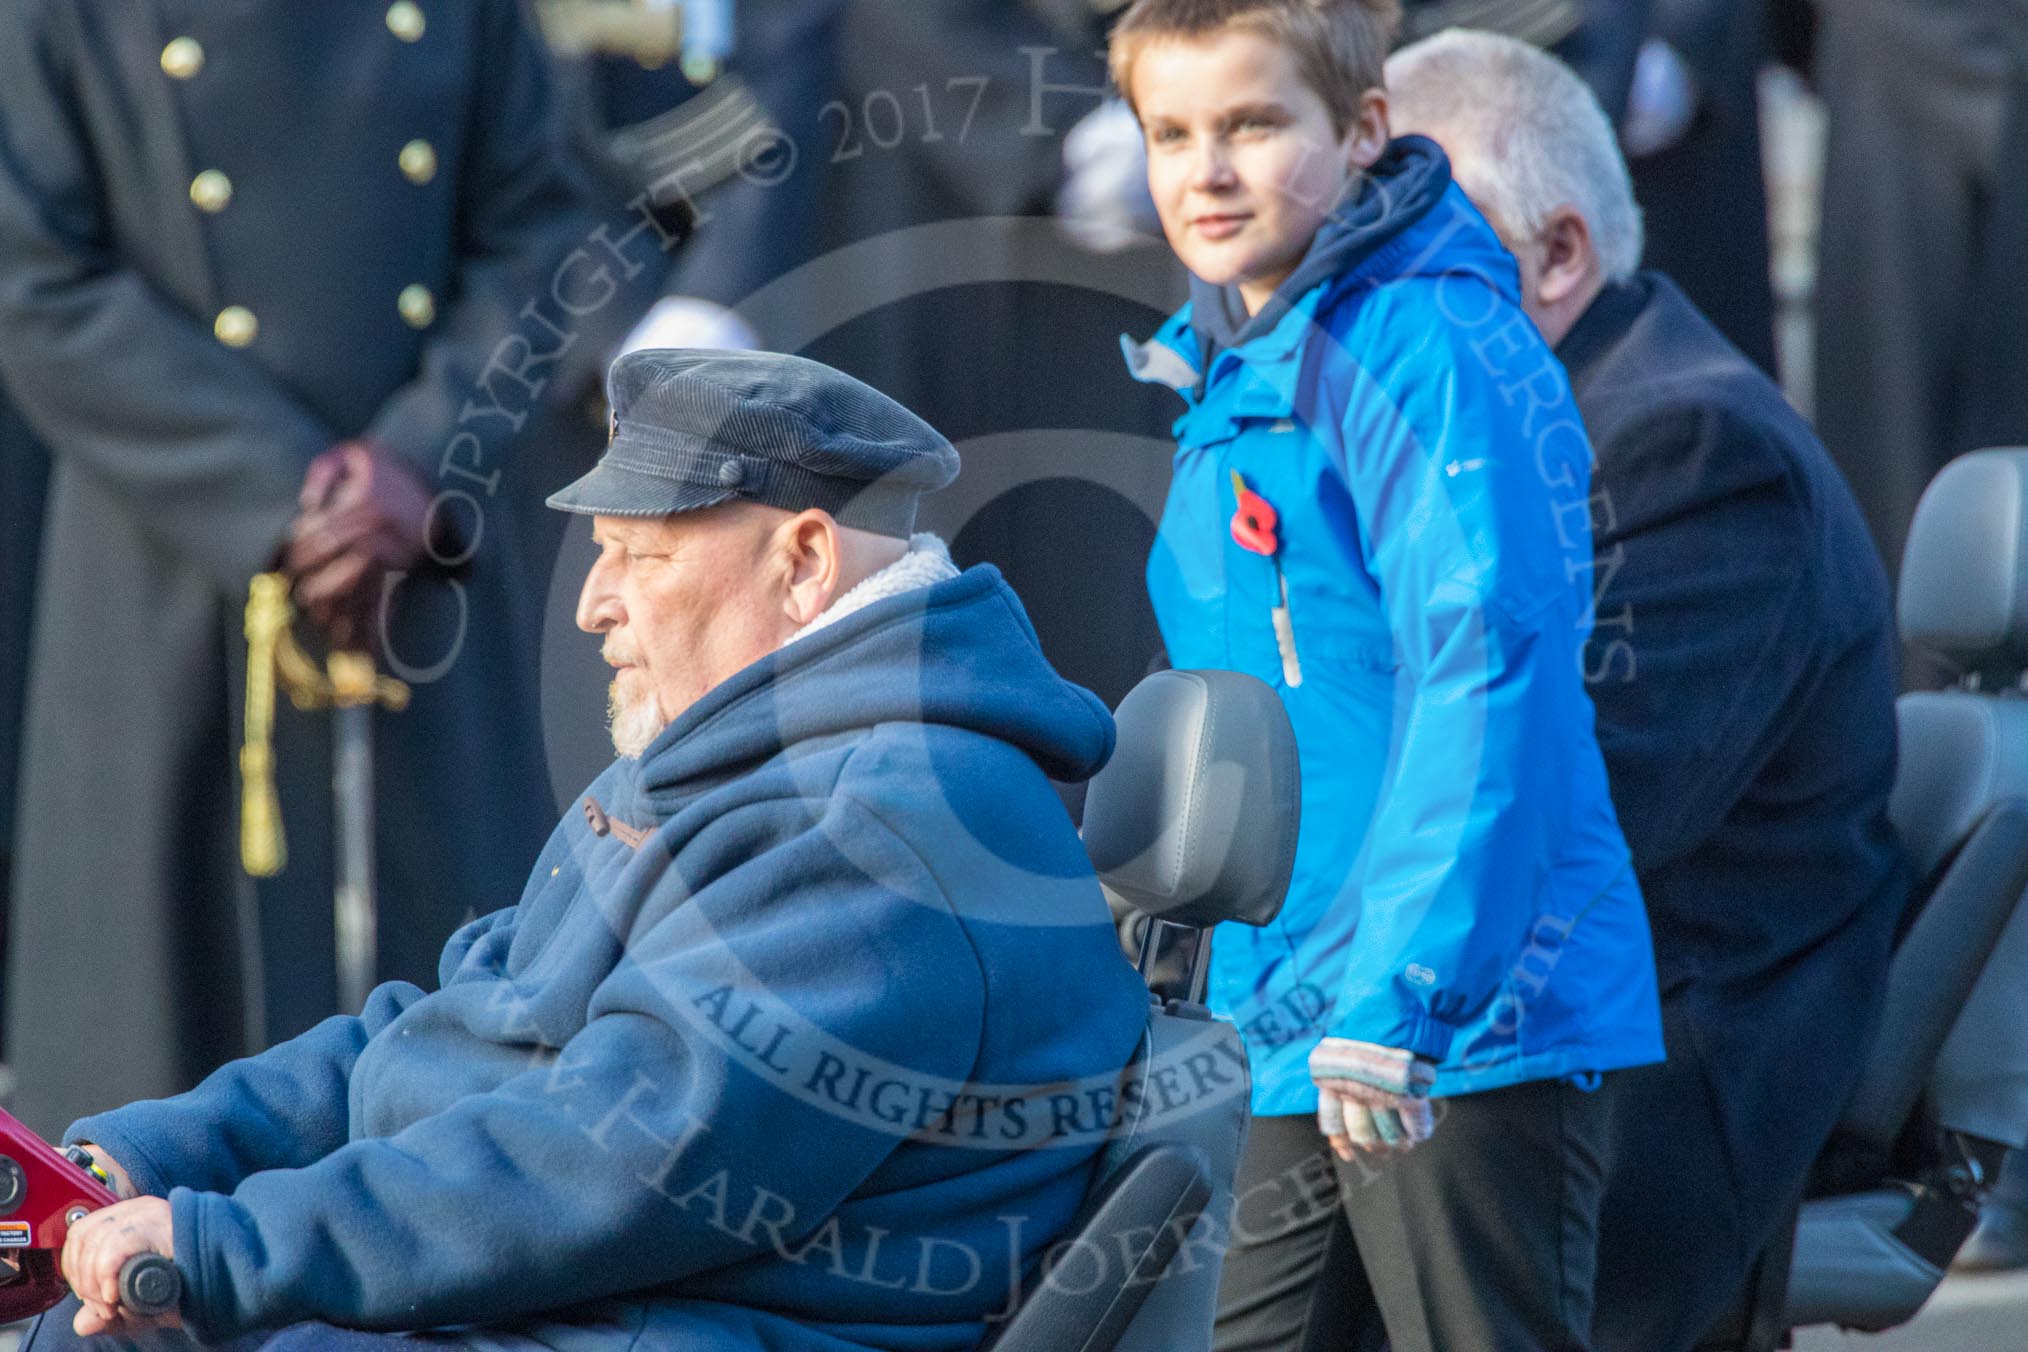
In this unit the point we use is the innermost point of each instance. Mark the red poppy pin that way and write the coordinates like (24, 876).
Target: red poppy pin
(1253, 520)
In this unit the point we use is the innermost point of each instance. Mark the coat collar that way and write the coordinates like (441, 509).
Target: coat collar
(1604, 322)
(1269, 365)
(1164, 359)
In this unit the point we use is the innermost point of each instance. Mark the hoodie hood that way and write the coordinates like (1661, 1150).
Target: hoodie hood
(1403, 185)
(960, 654)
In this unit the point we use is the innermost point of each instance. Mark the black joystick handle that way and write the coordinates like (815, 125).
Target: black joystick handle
(150, 1285)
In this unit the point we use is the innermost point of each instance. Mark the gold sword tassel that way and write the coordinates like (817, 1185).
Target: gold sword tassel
(274, 657)
(262, 846)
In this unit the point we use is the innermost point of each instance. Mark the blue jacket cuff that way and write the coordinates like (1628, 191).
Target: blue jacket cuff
(1411, 1029)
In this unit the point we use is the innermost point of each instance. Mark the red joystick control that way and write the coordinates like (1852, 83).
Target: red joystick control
(43, 1192)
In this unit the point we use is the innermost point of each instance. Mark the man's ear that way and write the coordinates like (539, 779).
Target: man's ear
(1367, 137)
(1569, 263)
(812, 560)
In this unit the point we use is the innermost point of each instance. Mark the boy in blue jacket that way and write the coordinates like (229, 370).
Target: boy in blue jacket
(1381, 505)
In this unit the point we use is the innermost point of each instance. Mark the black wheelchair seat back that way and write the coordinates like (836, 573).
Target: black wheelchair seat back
(1945, 1088)
(1193, 822)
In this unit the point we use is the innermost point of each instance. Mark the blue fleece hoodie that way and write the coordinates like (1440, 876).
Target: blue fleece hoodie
(792, 1041)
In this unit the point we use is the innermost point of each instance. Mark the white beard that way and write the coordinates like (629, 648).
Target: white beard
(632, 723)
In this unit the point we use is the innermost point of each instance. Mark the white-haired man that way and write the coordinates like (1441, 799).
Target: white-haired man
(1742, 666)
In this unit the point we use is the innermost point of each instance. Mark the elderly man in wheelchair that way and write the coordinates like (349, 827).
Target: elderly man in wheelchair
(810, 1029)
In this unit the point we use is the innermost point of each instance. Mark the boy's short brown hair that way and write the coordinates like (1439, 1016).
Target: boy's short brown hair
(1340, 46)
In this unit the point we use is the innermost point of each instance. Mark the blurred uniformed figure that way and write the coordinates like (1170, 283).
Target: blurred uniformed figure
(1921, 337)
(955, 114)
(1680, 81)
(24, 485)
(285, 284)
(701, 127)
(1692, 136)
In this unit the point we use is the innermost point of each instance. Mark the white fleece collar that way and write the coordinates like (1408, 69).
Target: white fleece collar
(927, 563)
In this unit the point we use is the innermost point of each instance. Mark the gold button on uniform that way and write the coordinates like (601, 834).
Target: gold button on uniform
(405, 20)
(418, 162)
(182, 58)
(211, 191)
(417, 306)
(236, 326)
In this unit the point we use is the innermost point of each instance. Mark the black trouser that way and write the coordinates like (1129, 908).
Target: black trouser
(1484, 1238)
(1707, 1154)
(1679, 1234)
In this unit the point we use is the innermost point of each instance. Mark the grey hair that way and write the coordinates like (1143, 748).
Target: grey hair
(1530, 134)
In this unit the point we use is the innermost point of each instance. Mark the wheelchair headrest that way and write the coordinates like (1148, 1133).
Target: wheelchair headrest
(1194, 818)
(1964, 572)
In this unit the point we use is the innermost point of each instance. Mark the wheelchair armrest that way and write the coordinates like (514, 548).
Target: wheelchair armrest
(1090, 1284)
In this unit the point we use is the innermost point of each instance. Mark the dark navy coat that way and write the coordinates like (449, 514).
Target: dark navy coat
(231, 236)
(1742, 663)
(804, 1035)
(1743, 652)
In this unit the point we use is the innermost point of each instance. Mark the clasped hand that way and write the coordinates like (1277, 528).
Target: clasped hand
(362, 516)
(1371, 1098)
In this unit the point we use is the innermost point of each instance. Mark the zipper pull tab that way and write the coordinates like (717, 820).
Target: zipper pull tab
(1285, 635)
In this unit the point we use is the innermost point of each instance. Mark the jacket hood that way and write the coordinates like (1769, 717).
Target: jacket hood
(960, 654)
(1411, 220)
(1403, 185)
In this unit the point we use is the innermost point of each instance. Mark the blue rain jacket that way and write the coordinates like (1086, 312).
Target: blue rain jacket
(804, 1035)
(1461, 885)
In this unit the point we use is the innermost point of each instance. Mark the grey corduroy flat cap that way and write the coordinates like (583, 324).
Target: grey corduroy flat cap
(693, 428)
